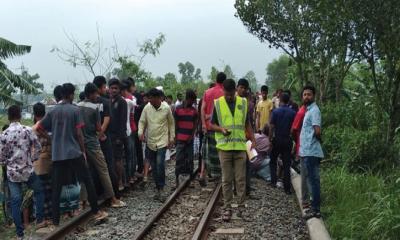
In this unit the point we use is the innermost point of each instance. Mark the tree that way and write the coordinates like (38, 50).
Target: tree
(9, 81)
(277, 72)
(189, 74)
(213, 74)
(314, 33)
(377, 38)
(229, 73)
(92, 56)
(251, 77)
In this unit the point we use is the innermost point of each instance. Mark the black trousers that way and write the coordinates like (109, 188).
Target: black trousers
(71, 167)
(139, 153)
(106, 148)
(284, 149)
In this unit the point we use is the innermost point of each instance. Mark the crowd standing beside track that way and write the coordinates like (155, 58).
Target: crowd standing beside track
(92, 150)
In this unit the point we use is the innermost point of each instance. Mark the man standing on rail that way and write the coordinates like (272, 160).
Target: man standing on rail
(186, 123)
(91, 117)
(212, 163)
(103, 103)
(68, 151)
(231, 124)
(158, 121)
(311, 150)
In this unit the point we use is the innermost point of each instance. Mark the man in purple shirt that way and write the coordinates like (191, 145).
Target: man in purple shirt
(19, 148)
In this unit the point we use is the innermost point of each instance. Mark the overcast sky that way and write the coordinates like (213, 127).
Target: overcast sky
(204, 32)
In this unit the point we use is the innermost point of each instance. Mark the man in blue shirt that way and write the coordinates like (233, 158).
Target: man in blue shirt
(280, 125)
(311, 150)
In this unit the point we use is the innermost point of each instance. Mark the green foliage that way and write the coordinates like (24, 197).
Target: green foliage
(189, 74)
(361, 206)
(10, 82)
(277, 72)
(229, 73)
(251, 77)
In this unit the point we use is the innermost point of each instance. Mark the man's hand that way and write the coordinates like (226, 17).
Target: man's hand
(141, 138)
(204, 129)
(170, 144)
(253, 144)
(225, 131)
(102, 137)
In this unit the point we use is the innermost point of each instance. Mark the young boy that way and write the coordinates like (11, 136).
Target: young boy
(185, 121)
(157, 119)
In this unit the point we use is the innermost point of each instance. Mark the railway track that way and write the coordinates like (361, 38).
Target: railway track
(185, 215)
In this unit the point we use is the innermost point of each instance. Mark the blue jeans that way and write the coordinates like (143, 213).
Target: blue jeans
(157, 162)
(16, 201)
(313, 180)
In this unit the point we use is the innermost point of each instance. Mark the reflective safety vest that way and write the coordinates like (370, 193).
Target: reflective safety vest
(236, 124)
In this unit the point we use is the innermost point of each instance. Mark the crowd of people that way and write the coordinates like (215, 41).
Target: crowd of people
(78, 153)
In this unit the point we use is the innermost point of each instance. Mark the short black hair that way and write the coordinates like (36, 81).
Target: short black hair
(90, 88)
(229, 85)
(99, 81)
(82, 96)
(169, 96)
(154, 92)
(264, 88)
(114, 81)
(68, 89)
(125, 84)
(285, 98)
(288, 92)
(190, 94)
(309, 87)
(58, 93)
(131, 80)
(14, 113)
(221, 77)
(243, 82)
(39, 109)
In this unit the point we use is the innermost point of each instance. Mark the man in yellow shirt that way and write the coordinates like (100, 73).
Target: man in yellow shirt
(158, 123)
(264, 108)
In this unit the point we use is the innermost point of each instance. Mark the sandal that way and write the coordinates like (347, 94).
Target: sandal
(118, 204)
(41, 225)
(100, 215)
(227, 215)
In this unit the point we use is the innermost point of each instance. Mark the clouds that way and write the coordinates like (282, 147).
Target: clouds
(204, 32)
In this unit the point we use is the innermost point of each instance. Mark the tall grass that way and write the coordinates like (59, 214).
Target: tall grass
(361, 206)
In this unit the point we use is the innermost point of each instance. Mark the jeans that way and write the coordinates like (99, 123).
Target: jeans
(139, 152)
(106, 148)
(305, 196)
(16, 201)
(129, 158)
(157, 162)
(313, 180)
(284, 149)
(184, 158)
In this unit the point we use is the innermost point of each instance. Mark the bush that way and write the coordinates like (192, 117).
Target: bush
(360, 206)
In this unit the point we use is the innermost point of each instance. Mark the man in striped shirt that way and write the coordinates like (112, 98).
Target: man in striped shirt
(185, 121)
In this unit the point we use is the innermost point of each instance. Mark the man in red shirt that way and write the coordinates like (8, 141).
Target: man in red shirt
(185, 121)
(212, 164)
(296, 129)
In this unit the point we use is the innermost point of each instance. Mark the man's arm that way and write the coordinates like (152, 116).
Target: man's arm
(203, 115)
(171, 127)
(106, 122)
(317, 132)
(81, 141)
(142, 124)
(123, 111)
(36, 147)
(250, 133)
(316, 123)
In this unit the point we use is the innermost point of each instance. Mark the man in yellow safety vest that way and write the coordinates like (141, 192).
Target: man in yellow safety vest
(232, 127)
